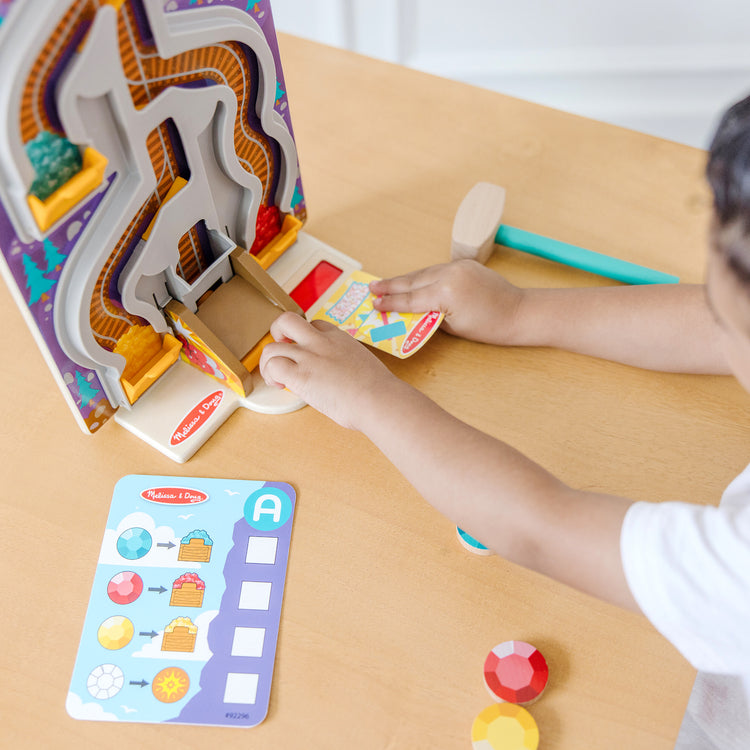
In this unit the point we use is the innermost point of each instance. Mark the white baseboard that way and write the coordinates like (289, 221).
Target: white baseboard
(675, 93)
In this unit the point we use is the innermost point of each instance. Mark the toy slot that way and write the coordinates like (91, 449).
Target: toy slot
(204, 350)
(61, 201)
(240, 312)
(226, 335)
(282, 242)
(238, 316)
(144, 378)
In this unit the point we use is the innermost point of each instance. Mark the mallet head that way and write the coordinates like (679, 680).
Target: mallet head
(477, 220)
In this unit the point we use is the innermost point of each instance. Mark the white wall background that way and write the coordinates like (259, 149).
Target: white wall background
(665, 67)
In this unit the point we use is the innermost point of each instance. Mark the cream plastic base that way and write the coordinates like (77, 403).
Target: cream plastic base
(184, 389)
(164, 411)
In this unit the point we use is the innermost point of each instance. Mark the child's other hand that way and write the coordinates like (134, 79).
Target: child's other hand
(325, 366)
(478, 303)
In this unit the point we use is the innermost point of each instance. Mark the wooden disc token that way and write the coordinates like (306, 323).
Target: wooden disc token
(504, 726)
(515, 671)
(472, 544)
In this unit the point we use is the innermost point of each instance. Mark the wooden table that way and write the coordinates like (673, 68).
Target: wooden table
(386, 619)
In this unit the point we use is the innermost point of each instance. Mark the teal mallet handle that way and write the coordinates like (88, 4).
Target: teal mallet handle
(578, 257)
(478, 226)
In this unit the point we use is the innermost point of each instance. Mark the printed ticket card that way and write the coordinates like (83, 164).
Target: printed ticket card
(350, 307)
(184, 613)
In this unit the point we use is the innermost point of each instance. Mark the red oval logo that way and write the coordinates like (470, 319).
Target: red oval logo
(421, 332)
(174, 495)
(197, 417)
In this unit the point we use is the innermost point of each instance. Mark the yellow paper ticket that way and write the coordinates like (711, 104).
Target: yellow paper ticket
(350, 307)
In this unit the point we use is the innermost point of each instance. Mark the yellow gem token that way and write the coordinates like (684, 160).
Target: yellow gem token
(115, 632)
(504, 726)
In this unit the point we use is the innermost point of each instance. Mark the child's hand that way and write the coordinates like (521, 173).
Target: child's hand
(326, 367)
(478, 303)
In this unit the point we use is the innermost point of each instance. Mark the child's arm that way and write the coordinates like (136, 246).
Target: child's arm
(659, 327)
(500, 497)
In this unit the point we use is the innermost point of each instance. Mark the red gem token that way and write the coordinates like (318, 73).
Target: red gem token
(514, 671)
(125, 587)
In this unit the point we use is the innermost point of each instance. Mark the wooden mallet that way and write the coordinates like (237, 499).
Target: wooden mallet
(477, 228)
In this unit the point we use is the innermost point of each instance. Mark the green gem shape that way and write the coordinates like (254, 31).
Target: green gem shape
(55, 160)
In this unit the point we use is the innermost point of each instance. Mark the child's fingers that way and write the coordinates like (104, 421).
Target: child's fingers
(278, 364)
(323, 325)
(420, 299)
(407, 282)
(418, 291)
(292, 327)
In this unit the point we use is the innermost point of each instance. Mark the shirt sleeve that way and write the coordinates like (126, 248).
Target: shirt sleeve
(688, 567)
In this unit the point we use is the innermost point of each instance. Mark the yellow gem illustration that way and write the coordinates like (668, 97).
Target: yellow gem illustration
(115, 632)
